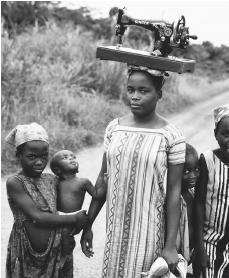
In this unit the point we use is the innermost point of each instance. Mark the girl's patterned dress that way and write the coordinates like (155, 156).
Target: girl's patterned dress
(216, 224)
(137, 163)
(22, 260)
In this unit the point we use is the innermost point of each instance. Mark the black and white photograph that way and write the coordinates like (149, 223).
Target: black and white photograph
(115, 139)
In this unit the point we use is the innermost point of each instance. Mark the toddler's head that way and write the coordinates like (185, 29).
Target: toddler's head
(64, 163)
(221, 116)
(191, 168)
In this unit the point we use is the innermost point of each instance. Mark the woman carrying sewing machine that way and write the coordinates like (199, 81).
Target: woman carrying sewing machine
(143, 158)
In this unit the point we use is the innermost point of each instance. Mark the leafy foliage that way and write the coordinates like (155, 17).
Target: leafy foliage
(18, 16)
(50, 75)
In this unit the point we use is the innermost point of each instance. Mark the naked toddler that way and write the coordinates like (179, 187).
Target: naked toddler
(71, 189)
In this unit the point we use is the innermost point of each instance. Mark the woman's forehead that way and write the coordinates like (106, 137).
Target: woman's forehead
(139, 77)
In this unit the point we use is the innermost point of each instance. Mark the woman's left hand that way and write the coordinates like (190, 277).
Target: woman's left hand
(171, 257)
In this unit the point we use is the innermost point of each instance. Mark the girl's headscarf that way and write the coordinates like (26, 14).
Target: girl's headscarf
(25, 133)
(220, 113)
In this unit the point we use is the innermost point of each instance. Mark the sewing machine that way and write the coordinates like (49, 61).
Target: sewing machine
(166, 36)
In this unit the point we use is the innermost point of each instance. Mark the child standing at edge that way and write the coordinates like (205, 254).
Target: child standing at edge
(190, 176)
(34, 248)
(211, 258)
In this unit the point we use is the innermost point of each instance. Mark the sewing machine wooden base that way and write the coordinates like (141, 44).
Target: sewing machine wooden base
(144, 58)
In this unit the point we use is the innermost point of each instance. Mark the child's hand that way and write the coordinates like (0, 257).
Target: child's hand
(200, 261)
(86, 243)
(81, 221)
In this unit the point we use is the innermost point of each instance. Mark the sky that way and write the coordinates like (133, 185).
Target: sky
(209, 20)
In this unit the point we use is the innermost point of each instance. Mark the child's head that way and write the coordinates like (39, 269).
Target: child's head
(32, 147)
(221, 116)
(63, 163)
(191, 169)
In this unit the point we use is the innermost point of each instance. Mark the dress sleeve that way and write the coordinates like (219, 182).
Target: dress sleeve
(108, 133)
(176, 151)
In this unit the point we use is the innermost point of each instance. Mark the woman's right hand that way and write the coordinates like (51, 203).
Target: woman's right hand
(86, 242)
(200, 261)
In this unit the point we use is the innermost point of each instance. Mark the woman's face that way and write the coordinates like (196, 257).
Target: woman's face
(141, 94)
(34, 158)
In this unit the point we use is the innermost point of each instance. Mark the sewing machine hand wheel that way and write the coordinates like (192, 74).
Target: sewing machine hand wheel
(180, 25)
(181, 34)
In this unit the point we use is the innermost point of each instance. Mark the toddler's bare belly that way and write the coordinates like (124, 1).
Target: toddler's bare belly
(38, 236)
(67, 203)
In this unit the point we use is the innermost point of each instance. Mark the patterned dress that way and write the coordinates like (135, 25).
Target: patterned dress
(216, 224)
(137, 162)
(22, 260)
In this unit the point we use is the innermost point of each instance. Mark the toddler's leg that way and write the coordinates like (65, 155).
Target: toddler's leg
(68, 241)
(67, 270)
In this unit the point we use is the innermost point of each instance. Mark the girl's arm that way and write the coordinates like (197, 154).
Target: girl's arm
(200, 258)
(17, 193)
(172, 213)
(94, 209)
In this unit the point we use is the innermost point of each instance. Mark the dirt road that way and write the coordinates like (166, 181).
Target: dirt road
(197, 125)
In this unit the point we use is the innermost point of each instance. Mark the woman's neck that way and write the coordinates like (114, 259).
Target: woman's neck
(150, 118)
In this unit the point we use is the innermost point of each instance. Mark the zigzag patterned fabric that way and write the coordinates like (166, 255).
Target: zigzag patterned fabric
(137, 161)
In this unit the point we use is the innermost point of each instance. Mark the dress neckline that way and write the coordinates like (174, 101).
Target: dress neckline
(142, 128)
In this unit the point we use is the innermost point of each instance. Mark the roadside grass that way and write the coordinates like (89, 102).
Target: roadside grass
(51, 76)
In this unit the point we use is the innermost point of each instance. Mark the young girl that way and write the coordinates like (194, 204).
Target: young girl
(34, 248)
(212, 205)
(144, 157)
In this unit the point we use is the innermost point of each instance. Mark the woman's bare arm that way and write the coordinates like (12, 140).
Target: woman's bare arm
(172, 213)
(97, 192)
(96, 205)
(94, 209)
